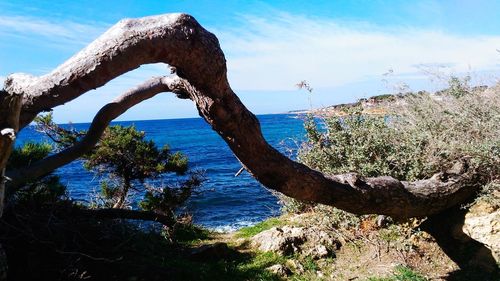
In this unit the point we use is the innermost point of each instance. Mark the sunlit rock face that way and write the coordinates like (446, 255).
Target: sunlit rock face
(482, 223)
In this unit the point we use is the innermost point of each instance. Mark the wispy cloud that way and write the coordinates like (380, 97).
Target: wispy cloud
(273, 53)
(64, 32)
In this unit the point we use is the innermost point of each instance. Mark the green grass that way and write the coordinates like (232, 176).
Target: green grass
(191, 234)
(255, 267)
(240, 266)
(401, 273)
(309, 264)
(251, 231)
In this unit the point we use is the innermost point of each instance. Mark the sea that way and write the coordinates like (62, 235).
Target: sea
(224, 202)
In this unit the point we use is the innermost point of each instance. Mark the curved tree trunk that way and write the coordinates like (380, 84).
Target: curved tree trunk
(178, 39)
(114, 213)
(10, 108)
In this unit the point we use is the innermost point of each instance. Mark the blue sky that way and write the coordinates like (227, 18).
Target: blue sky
(345, 49)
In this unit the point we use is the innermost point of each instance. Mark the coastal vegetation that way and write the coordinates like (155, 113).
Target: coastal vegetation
(420, 166)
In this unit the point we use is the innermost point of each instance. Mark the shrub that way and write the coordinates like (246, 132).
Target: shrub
(422, 134)
(127, 161)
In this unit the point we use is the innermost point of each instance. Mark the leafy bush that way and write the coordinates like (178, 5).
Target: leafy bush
(421, 135)
(29, 153)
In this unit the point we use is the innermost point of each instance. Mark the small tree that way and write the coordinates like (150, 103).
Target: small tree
(126, 155)
(127, 159)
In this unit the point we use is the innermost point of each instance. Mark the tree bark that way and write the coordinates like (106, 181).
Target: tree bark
(113, 213)
(123, 194)
(10, 109)
(175, 39)
(178, 39)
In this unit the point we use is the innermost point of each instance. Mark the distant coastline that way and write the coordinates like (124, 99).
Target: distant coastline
(374, 105)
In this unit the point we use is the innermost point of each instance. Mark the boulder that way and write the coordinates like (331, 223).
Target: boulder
(482, 223)
(285, 240)
(318, 252)
(289, 240)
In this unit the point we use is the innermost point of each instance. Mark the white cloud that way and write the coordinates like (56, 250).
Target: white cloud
(64, 32)
(275, 53)
(266, 56)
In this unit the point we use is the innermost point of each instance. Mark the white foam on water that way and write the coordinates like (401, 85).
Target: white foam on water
(233, 226)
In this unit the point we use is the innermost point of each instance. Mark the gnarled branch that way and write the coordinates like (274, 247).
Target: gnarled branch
(181, 42)
(100, 122)
(113, 213)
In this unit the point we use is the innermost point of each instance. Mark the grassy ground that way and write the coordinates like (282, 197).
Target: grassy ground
(51, 244)
(54, 245)
(248, 232)
(365, 255)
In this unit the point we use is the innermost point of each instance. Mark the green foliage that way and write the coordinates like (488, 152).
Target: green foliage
(364, 144)
(250, 231)
(263, 260)
(126, 155)
(335, 218)
(309, 264)
(62, 137)
(421, 136)
(189, 234)
(490, 195)
(45, 190)
(390, 234)
(165, 200)
(383, 97)
(29, 153)
(458, 87)
(125, 152)
(291, 205)
(401, 273)
(40, 224)
(239, 266)
(126, 159)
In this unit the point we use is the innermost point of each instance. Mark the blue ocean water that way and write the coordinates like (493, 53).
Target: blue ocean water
(224, 202)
